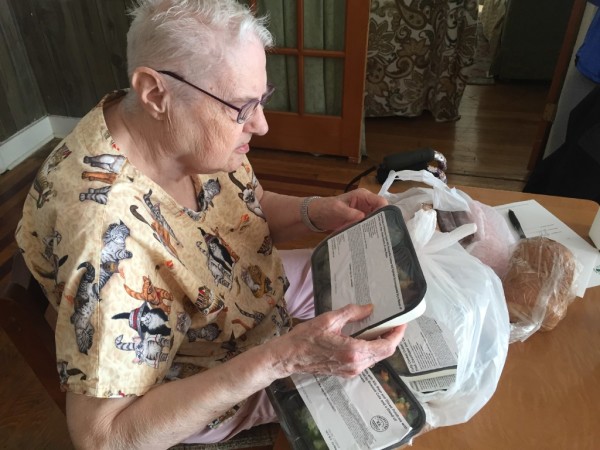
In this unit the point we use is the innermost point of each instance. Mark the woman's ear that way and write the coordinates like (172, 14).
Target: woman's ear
(151, 91)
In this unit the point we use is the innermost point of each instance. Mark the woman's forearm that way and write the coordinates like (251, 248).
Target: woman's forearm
(283, 215)
(173, 411)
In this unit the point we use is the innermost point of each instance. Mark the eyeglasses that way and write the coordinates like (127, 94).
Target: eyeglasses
(245, 112)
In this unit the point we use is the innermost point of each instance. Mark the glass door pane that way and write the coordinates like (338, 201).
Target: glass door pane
(324, 24)
(283, 22)
(282, 72)
(323, 85)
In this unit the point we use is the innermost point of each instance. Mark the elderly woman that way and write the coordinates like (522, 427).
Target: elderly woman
(155, 242)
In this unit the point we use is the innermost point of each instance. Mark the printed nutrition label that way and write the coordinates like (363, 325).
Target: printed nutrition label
(363, 270)
(352, 414)
(430, 354)
(431, 384)
(427, 345)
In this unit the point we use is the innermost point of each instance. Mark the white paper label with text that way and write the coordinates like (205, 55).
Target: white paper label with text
(363, 270)
(352, 414)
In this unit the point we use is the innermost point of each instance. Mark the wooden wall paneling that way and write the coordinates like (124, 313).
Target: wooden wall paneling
(95, 52)
(62, 27)
(7, 123)
(86, 56)
(21, 95)
(77, 49)
(47, 74)
(115, 23)
(64, 46)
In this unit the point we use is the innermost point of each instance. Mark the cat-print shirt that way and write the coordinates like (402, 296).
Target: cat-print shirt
(147, 290)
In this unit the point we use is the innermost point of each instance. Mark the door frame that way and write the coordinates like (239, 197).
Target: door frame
(322, 134)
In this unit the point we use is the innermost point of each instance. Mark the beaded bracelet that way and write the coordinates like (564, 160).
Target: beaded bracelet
(304, 214)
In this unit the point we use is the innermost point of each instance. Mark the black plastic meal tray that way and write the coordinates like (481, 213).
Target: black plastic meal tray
(298, 424)
(412, 280)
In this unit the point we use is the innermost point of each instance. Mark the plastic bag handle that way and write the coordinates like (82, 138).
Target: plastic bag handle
(440, 241)
(422, 176)
(450, 198)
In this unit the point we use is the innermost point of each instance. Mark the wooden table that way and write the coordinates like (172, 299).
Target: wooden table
(548, 396)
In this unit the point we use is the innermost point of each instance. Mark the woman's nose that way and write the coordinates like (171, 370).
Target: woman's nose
(257, 124)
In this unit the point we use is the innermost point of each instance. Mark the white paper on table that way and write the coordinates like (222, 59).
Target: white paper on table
(538, 221)
(595, 275)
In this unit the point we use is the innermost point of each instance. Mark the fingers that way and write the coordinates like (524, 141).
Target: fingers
(366, 201)
(319, 346)
(395, 335)
(335, 213)
(334, 321)
(366, 353)
(386, 344)
(354, 313)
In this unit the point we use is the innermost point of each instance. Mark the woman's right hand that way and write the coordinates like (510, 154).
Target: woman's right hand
(318, 346)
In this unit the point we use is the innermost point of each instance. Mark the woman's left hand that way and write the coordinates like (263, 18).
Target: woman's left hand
(334, 213)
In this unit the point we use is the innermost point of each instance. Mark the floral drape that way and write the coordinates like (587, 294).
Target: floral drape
(417, 54)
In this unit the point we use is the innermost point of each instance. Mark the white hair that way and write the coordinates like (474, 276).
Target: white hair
(178, 34)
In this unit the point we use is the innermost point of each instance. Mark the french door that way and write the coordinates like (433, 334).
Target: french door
(318, 68)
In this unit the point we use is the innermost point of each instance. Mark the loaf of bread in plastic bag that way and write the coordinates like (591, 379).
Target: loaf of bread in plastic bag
(539, 285)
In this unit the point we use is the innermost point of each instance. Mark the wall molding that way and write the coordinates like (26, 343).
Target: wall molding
(30, 139)
(62, 126)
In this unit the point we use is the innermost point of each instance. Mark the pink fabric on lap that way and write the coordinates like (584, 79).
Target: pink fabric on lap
(299, 296)
(258, 410)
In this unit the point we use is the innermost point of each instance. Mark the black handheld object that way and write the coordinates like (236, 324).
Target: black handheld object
(412, 160)
(516, 224)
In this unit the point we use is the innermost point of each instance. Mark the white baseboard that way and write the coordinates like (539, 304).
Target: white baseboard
(62, 126)
(27, 141)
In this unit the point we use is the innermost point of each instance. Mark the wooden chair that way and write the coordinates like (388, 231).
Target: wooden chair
(23, 305)
(24, 312)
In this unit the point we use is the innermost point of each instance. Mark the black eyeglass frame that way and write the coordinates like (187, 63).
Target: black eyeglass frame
(244, 112)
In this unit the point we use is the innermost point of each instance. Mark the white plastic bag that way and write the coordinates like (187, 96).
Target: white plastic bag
(493, 240)
(410, 201)
(467, 297)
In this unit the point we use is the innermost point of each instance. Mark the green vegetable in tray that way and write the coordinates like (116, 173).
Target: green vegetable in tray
(312, 433)
(412, 283)
(397, 395)
(306, 428)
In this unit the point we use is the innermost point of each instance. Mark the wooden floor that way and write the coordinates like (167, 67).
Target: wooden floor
(489, 146)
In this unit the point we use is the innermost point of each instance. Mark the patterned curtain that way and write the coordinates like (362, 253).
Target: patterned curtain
(417, 55)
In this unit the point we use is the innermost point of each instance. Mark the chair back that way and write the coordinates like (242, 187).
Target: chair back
(24, 308)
